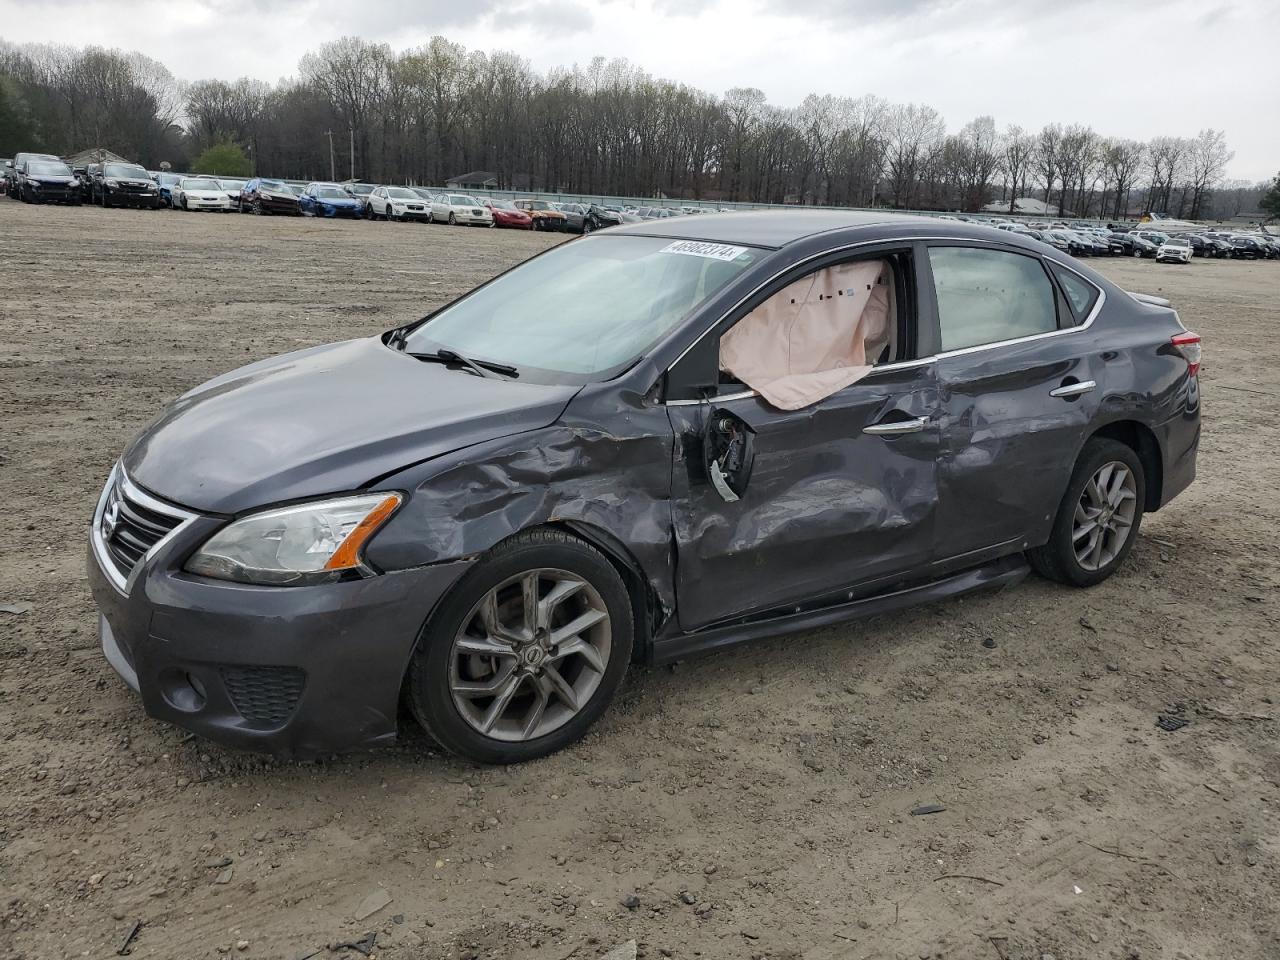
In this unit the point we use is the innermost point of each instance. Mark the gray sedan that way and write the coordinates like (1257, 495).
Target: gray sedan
(661, 440)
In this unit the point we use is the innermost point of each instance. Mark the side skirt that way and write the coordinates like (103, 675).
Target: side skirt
(1003, 572)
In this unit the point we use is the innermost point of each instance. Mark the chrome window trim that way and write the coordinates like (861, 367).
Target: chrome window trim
(905, 364)
(137, 495)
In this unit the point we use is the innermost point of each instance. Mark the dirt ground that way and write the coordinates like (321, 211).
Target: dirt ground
(756, 804)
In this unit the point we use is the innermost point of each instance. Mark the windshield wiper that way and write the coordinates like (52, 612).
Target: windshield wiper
(481, 368)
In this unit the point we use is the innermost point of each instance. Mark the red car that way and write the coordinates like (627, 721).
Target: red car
(505, 214)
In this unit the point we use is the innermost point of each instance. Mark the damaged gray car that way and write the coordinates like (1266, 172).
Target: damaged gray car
(654, 442)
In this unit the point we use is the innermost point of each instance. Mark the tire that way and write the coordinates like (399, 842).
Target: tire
(453, 220)
(537, 223)
(436, 665)
(1058, 559)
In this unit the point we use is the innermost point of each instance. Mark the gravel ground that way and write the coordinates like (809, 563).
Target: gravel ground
(753, 804)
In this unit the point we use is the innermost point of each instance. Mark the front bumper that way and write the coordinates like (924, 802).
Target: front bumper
(145, 201)
(54, 194)
(272, 204)
(292, 671)
(194, 203)
(421, 214)
(354, 213)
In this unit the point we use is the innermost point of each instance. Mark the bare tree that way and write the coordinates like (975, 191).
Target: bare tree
(1017, 153)
(1207, 158)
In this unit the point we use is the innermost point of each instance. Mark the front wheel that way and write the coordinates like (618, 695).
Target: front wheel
(453, 220)
(527, 651)
(1097, 522)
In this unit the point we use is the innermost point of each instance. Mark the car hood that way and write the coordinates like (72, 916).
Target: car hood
(41, 178)
(338, 202)
(325, 420)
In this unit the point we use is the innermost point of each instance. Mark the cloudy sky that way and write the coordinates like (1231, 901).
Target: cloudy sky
(1137, 69)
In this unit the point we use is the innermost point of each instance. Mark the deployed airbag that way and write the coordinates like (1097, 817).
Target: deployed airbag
(814, 337)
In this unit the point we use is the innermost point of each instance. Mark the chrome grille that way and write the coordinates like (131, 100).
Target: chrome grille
(128, 524)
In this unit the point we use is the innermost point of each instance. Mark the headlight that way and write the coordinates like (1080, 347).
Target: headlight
(294, 546)
(113, 183)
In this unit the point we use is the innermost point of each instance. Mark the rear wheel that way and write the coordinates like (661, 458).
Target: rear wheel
(527, 651)
(1098, 520)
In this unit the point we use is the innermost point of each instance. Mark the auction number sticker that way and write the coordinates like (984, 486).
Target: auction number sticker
(712, 251)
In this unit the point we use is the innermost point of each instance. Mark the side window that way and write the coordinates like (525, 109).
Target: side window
(1080, 292)
(818, 334)
(985, 296)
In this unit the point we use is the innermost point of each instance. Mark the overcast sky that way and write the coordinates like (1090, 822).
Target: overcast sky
(1137, 69)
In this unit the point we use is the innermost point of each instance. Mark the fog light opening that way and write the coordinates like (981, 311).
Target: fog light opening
(183, 691)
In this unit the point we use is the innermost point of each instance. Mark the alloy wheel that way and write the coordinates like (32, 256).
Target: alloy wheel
(1104, 515)
(530, 655)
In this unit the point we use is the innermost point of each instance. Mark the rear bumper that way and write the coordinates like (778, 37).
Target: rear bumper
(1179, 439)
(294, 672)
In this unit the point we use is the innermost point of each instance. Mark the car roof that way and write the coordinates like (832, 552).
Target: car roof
(777, 228)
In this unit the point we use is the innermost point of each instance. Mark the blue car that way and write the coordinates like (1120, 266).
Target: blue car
(329, 200)
(166, 182)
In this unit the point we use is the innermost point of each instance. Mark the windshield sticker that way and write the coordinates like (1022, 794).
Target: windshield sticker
(712, 251)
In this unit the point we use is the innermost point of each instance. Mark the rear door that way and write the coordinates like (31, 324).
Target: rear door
(1020, 382)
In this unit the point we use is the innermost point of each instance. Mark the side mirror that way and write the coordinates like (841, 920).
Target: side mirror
(728, 451)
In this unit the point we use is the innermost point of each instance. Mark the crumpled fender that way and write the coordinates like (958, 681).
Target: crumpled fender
(616, 479)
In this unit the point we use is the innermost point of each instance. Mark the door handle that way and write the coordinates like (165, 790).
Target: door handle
(895, 427)
(1073, 389)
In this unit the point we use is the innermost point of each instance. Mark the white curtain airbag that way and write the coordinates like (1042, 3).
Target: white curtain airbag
(814, 337)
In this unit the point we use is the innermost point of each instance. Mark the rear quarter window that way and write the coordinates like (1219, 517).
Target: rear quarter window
(1081, 294)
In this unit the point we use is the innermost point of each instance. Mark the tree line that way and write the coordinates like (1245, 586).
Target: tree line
(360, 109)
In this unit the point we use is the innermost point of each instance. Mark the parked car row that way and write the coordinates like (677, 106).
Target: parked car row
(1088, 240)
(44, 178)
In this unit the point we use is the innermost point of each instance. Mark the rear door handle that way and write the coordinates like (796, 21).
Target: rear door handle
(895, 427)
(1073, 389)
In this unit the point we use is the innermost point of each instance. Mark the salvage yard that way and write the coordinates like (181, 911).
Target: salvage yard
(753, 804)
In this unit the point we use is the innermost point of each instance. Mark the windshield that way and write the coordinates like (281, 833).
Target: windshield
(503, 205)
(585, 310)
(331, 193)
(200, 183)
(360, 189)
(47, 168)
(127, 170)
(458, 200)
(402, 193)
(274, 185)
(537, 205)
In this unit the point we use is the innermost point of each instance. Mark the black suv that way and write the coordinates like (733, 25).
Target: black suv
(122, 185)
(47, 181)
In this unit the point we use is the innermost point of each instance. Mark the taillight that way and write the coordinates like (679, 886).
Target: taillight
(1188, 345)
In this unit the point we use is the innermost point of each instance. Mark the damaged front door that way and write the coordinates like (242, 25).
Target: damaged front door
(819, 500)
